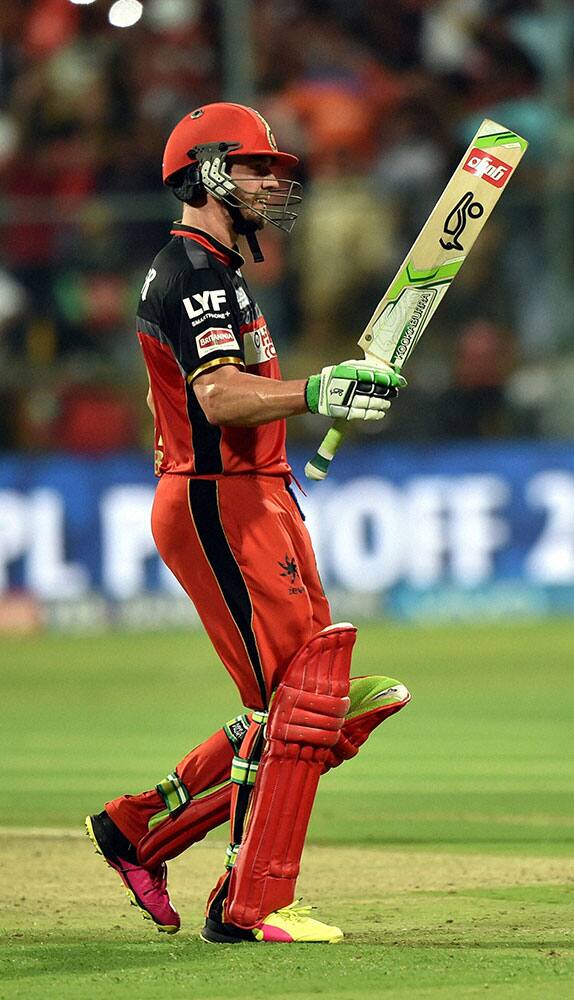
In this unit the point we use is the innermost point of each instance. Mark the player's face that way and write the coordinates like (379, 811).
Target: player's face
(255, 179)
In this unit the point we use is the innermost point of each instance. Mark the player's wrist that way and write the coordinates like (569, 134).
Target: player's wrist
(313, 393)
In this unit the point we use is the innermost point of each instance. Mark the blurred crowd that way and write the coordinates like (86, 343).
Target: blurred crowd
(379, 100)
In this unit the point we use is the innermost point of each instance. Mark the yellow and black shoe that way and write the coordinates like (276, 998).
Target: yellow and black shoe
(289, 925)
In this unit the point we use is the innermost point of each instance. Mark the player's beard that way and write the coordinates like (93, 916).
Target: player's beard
(253, 218)
(250, 207)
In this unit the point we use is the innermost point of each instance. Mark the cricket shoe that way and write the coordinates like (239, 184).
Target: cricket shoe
(146, 889)
(289, 925)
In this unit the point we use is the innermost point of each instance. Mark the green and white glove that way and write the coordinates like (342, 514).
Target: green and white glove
(353, 390)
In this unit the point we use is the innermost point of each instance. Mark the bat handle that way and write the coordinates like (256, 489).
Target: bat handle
(318, 466)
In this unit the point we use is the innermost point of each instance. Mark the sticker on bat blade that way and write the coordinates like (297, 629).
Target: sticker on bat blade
(421, 307)
(456, 220)
(399, 323)
(489, 167)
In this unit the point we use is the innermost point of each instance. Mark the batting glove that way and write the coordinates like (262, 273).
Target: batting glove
(353, 390)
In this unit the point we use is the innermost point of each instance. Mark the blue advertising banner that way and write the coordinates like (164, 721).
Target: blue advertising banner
(465, 530)
(456, 531)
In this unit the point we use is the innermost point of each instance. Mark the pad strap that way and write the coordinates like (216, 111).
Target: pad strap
(243, 774)
(187, 819)
(239, 795)
(173, 792)
(168, 839)
(236, 730)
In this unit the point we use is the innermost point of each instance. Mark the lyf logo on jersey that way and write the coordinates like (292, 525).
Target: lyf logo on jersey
(490, 168)
(205, 302)
(216, 339)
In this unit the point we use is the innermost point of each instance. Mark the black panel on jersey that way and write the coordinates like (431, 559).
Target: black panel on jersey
(205, 437)
(205, 511)
(185, 279)
(196, 254)
(191, 298)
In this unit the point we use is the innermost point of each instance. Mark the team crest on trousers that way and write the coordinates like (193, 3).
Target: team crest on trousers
(289, 568)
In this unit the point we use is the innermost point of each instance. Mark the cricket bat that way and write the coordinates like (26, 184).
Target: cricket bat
(433, 261)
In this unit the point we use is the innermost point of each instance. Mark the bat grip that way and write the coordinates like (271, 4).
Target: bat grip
(318, 466)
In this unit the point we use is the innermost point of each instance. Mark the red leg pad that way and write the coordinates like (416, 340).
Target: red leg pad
(168, 839)
(305, 720)
(173, 836)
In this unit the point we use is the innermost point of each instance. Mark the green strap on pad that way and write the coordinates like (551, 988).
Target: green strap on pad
(243, 770)
(231, 853)
(173, 792)
(236, 730)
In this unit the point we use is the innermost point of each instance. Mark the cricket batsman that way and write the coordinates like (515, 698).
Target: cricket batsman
(227, 524)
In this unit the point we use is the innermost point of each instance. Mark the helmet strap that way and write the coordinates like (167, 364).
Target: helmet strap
(253, 243)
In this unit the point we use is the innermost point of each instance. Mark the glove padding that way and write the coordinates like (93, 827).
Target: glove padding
(353, 390)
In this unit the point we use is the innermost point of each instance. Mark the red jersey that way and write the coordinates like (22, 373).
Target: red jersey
(196, 313)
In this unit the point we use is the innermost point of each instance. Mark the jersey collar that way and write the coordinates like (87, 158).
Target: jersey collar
(228, 256)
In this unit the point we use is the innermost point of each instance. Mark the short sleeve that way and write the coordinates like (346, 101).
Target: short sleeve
(204, 331)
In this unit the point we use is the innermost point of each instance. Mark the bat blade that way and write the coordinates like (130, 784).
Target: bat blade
(443, 244)
(434, 260)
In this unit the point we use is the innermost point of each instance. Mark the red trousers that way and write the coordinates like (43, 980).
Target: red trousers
(241, 551)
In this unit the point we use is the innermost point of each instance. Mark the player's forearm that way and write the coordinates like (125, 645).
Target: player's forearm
(243, 400)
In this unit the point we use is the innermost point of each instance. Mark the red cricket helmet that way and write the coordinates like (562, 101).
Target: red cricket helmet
(222, 122)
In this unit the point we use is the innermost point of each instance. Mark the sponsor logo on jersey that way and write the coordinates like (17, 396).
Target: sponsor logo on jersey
(258, 345)
(215, 339)
(489, 167)
(242, 297)
(200, 303)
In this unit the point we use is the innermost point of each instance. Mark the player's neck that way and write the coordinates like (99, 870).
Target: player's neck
(213, 219)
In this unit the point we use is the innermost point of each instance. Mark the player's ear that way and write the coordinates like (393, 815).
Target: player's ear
(188, 186)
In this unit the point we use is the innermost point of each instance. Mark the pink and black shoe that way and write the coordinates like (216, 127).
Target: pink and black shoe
(146, 889)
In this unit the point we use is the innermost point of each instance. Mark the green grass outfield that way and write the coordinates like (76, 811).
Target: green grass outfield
(447, 844)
